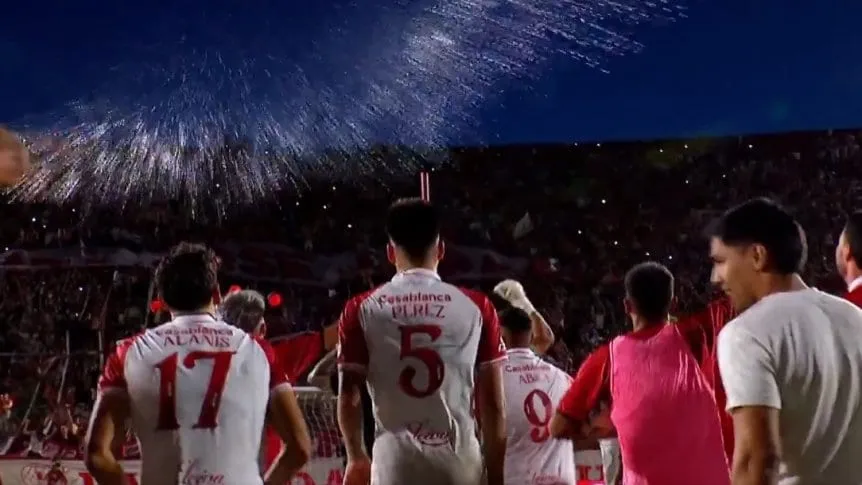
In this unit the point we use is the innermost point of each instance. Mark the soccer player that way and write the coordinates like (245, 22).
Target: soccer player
(197, 391)
(417, 342)
(790, 361)
(533, 389)
(661, 404)
(848, 257)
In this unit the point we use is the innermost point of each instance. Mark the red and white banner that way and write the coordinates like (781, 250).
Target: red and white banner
(323, 471)
(270, 262)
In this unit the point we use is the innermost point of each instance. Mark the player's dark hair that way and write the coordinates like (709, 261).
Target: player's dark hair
(763, 221)
(243, 309)
(649, 286)
(515, 320)
(853, 234)
(187, 278)
(414, 226)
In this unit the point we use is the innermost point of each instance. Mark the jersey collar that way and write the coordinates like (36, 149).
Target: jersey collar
(854, 284)
(521, 351)
(417, 272)
(202, 317)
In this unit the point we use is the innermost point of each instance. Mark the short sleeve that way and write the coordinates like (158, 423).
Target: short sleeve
(747, 369)
(590, 385)
(352, 347)
(491, 347)
(114, 374)
(277, 377)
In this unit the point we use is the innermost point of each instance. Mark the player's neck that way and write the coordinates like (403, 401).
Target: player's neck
(782, 283)
(639, 324)
(402, 266)
(852, 274)
(210, 309)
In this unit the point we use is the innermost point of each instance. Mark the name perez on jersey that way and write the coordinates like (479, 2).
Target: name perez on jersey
(416, 305)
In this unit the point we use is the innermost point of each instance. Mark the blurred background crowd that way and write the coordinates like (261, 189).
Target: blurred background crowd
(566, 220)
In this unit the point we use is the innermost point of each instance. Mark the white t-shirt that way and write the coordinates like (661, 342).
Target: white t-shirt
(533, 391)
(801, 352)
(199, 390)
(419, 340)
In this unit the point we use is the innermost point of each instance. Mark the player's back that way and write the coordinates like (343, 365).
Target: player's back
(424, 339)
(533, 390)
(812, 342)
(199, 390)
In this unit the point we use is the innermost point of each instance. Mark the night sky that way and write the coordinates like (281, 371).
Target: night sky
(729, 67)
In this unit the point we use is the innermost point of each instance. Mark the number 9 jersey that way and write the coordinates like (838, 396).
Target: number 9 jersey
(198, 390)
(418, 341)
(533, 390)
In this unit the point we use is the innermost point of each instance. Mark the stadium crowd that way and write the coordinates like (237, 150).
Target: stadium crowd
(565, 220)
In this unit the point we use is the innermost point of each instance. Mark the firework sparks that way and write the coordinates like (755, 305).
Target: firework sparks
(232, 122)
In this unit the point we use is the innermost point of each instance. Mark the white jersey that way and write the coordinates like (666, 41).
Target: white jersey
(533, 390)
(419, 341)
(199, 390)
(800, 352)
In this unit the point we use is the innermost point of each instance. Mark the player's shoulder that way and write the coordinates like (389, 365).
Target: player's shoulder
(476, 297)
(356, 301)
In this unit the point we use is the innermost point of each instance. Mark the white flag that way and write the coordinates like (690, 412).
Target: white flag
(523, 226)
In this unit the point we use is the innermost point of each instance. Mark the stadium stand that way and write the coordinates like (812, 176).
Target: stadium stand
(565, 220)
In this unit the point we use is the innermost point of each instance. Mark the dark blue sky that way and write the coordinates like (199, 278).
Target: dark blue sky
(731, 66)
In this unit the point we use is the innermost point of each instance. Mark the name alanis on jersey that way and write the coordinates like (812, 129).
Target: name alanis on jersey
(181, 337)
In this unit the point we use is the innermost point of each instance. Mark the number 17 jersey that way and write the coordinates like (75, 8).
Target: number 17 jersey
(198, 390)
(533, 390)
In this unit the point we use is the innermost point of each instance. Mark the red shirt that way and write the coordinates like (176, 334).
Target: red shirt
(298, 353)
(855, 296)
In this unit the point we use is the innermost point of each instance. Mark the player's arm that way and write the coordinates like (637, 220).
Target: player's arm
(107, 422)
(543, 337)
(591, 384)
(753, 400)
(542, 334)
(490, 400)
(353, 366)
(286, 418)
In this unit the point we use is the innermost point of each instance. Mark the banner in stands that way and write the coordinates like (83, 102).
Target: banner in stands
(324, 471)
(272, 262)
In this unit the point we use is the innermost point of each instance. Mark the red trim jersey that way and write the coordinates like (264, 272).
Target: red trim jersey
(419, 340)
(199, 390)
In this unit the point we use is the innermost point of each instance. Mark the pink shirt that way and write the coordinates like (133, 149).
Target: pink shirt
(665, 413)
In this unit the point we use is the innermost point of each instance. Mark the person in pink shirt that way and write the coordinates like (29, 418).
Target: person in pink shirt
(661, 403)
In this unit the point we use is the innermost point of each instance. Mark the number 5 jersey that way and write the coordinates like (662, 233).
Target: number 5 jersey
(419, 341)
(199, 390)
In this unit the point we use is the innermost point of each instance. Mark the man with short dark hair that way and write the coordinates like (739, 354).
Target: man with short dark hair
(533, 389)
(197, 390)
(848, 257)
(661, 404)
(419, 342)
(790, 361)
